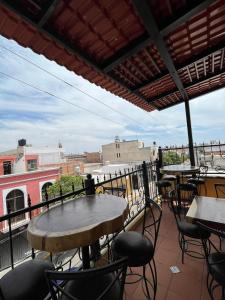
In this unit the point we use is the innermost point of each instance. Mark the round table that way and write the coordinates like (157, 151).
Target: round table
(179, 169)
(77, 223)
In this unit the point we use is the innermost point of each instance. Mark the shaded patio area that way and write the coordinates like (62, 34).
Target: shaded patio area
(189, 284)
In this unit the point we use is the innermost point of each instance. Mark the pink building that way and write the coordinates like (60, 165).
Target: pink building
(26, 171)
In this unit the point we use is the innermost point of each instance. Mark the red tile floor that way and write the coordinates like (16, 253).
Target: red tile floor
(189, 284)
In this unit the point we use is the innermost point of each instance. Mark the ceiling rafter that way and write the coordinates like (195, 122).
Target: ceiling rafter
(131, 49)
(188, 85)
(194, 59)
(195, 96)
(10, 4)
(193, 9)
(47, 12)
(222, 58)
(189, 74)
(126, 52)
(143, 10)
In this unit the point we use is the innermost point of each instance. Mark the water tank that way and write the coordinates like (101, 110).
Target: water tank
(22, 142)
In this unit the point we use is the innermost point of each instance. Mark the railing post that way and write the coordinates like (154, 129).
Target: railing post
(145, 181)
(61, 193)
(159, 164)
(30, 216)
(10, 235)
(89, 184)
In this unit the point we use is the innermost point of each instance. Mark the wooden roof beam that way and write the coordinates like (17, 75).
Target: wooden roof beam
(202, 56)
(188, 85)
(11, 5)
(50, 7)
(143, 10)
(193, 8)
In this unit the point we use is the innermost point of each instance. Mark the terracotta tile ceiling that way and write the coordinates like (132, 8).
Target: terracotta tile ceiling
(153, 53)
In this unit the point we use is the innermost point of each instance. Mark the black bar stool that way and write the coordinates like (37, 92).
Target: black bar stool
(27, 281)
(140, 248)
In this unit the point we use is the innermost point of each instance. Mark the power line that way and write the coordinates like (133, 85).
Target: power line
(80, 90)
(57, 97)
(69, 84)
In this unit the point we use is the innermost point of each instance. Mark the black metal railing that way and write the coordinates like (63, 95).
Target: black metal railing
(211, 154)
(135, 185)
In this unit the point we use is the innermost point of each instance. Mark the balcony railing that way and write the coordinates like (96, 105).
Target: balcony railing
(210, 154)
(133, 184)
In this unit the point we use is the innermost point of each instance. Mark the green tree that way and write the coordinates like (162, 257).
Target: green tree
(171, 158)
(65, 182)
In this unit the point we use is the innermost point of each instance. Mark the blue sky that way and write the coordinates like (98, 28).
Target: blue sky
(83, 123)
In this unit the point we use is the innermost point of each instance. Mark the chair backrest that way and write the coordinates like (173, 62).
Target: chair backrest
(181, 199)
(152, 220)
(187, 192)
(220, 190)
(203, 170)
(209, 243)
(97, 284)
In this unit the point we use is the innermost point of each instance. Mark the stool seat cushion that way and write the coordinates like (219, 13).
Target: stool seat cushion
(27, 281)
(163, 183)
(217, 266)
(169, 177)
(135, 246)
(92, 288)
(192, 230)
(196, 181)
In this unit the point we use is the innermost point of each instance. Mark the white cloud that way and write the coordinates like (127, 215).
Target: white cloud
(44, 120)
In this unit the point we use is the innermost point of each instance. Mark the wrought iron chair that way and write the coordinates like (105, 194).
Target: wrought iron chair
(199, 179)
(164, 188)
(189, 237)
(98, 283)
(26, 281)
(215, 261)
(140, 248)
(220, 190)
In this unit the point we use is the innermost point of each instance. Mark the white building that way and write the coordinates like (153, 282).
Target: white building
(128, 152)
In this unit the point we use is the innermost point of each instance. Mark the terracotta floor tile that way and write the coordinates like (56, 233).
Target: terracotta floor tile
(174, 296)
(164, 274)
(189, 284)
(186, 285)
(161, 292)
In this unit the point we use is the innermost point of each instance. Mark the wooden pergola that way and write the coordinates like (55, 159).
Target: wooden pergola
(155, 53)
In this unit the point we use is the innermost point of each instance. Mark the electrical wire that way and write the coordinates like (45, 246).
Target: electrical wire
(80, 90)
(69, 84)
(59, 98)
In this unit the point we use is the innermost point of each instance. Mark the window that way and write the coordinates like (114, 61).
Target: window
(7, 167)
(31, 165)
(44, 190)
(15, 200)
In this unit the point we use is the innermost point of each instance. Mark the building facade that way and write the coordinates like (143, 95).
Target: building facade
(128, 152)
(25, 171)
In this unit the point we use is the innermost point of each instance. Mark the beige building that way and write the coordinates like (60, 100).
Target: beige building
(127, 152)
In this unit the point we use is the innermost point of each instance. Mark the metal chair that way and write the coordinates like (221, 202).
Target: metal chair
(164, 188)
(189, 237)
(199, 179)
(140, 248)
(26, 281)
(215, 261)
(220, 190)
(104, 283)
